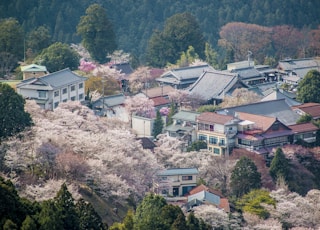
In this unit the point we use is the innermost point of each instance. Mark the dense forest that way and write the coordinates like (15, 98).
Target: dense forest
(135, 21)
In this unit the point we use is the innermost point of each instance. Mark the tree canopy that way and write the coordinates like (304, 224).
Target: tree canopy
(58, 56)
(308, 88)
(244, 177)
(180, 32)
(97, 33)
(13, 116)
(279, 166)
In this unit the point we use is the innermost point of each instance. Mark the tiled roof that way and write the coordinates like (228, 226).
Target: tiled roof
(275, 108)
(202, 187)
(186, 115)
(312, 109)
(158, 91)
(304, 127)
(33, 68)
(158, 101)
(224, 204)
(260, 121)
(214, 118)
(247, 73)
(179, 171)
(278, 94)
(187, 72)
(214, 84)
(110, 101)
(292, 64)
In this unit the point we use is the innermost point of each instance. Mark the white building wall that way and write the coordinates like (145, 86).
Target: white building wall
(142, 126)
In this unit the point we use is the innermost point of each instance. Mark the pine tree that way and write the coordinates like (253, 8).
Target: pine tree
(157, 125)
(279, 166)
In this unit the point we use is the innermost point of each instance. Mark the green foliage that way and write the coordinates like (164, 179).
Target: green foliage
(38, 39)
(28, 224)
(88, 217)
(13, 117)
(180, 32)
(279, 165)
(252, 201)
(211, 56)
(97, 33)
(304, 119)
(207, 108)
(179, 223)
(187, 57)
(308, 88)
(197, 145)
(10, 225)
(192, 222)
(157, 125)
(48, 217)
(58, 56)
(244, 177)
(173, 111)
(147, 213)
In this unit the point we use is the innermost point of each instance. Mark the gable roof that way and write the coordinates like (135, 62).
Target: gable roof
(178, 171)
(310, 108)
(34, 68)
(263, 122)
(205, 196)
(159, 101)
(275, 108)
(124, 68)
(158, 91)
(211, 117)
(110, 101)
(280, 94)
(184, 74)
(186, 115)
(249, 73)
(304, 127)
(213, 84)
(304, 63)
(52, 81)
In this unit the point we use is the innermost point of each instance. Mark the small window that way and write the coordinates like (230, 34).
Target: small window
(202, 137)
(73, 88)
(65, 100)
(64, 91)
(80, 85)
(42, 94)
(213, 140)
(186, 177)
(56, 104)
(216, 151)
(73, 98)
(56, 93)
(81, 96)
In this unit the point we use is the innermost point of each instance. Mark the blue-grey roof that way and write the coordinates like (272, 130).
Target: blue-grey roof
(54, 80)
(179, 171)
(213, 84)
(248, 73)
(186, 115)
(280, 94)
(124, 68)
(110, 101)
(275, 108)
(205, 196)
(186, 74)
(292, 64)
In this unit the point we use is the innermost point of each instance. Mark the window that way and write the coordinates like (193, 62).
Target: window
(216, 151)
(202, 137)
(73, 88)
(56, 93)
(81, 96)
(56, 104)
(222, 142)
(80, 85)
(42, 94)
(73, 98)
(64, 91)
(211, 127)
(186, 177)
(213, 140)
(65, 100)
(164, 178)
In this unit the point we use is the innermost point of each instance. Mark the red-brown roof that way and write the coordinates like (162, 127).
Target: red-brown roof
(312, 109)
(304, 127)
(158, 101)
(260, 121)
(202, 187)
(214, 118)
(158, 91)
(224, 204)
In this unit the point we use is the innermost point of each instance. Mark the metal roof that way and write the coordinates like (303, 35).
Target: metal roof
(178, 171)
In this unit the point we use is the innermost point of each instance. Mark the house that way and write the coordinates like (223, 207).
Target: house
(277, 94)
(260, 133)
(213, 85)
(183, 126)
(293, 70)
(218, 131)
(203, 195)
(33, 71)
(306, 132)
(161, 91)
(159, 102)
(147, 143)
(50, 90)
(111, 106)
(143, 126)
(274, 108)
(181, 78)
(177, 181)
(125, 69)
(313, 109)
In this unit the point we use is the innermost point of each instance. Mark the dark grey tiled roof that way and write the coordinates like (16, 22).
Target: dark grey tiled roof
(110, 101)
(186, 115)
(279, 94)
(292, 64)
(247, 73)
(214, 84)
(275, 108)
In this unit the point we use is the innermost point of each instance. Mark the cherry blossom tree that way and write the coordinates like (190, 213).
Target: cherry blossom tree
(240, 96)
(140, 106)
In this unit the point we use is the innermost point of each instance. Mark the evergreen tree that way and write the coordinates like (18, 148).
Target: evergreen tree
(49, 216)
(88, 218)
(279, 166)
(157, 125)
(308, 88)
(147, 214)
(28, 224)
(13, 117)
(173, 111)
(97, 33)
(58, 56)
(192, 222)
(244, 177)
(179, 223)
(170, 213)
(65, 205)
